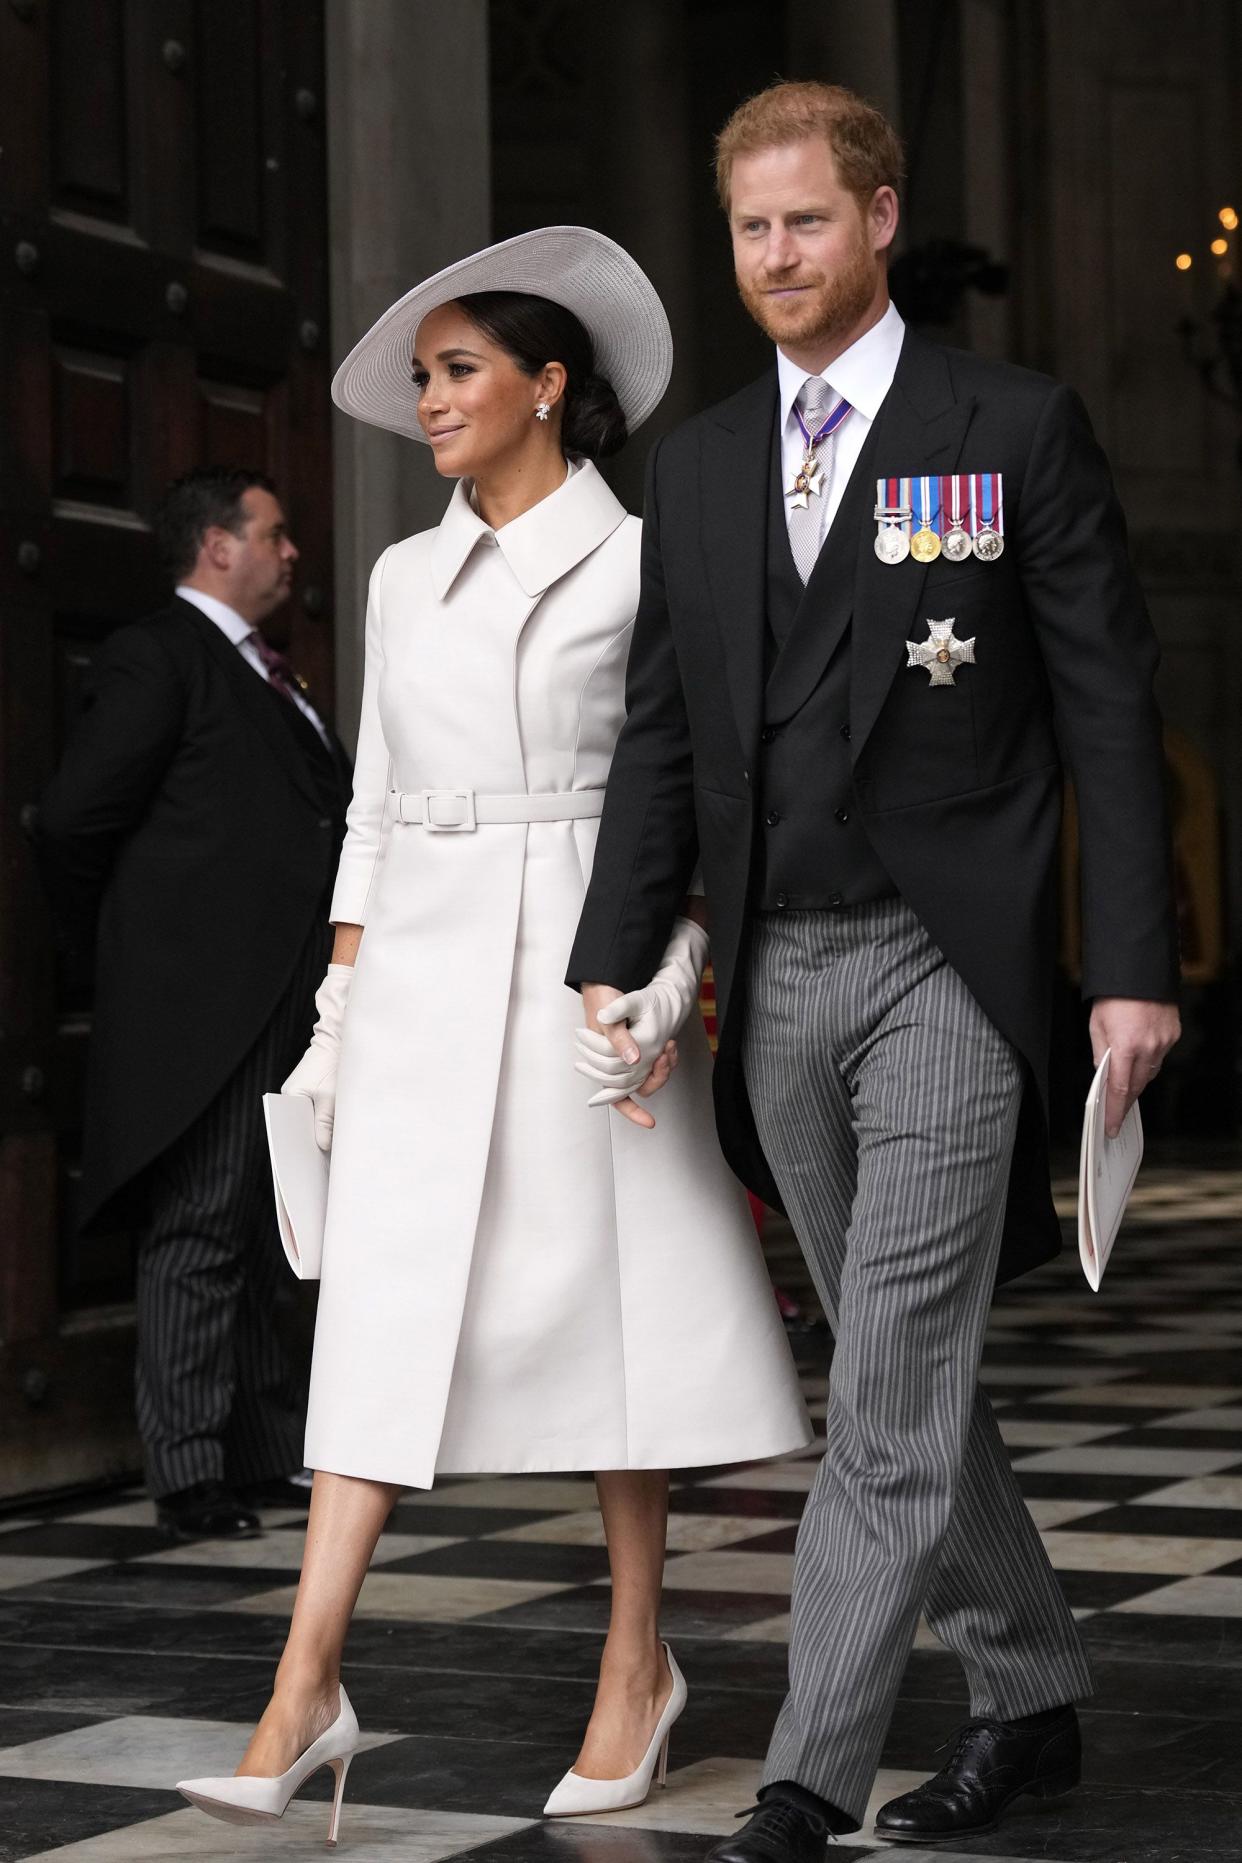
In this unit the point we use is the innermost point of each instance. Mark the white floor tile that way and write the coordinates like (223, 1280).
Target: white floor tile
(1139, 1552)
(1204, 1491)
(1142, 1396)
(416, 1597)
(686, 1532)
(369, 1834)
(139, 1750)
(767, 1630)
(1214, 1596)
(1223, 1417)
(1152, 1341)
(281, 1550)
(1100, 1459)
(32, 1568)
(774, 1477)
(730, 1571)
(1051, 1513)
(1035, 1433)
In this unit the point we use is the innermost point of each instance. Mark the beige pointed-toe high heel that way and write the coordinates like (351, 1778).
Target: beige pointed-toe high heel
(264, 1801)
(576, 1794)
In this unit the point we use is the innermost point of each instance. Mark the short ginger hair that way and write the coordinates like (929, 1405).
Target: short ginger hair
(865, 146)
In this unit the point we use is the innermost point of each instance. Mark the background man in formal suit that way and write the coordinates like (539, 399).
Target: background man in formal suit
(878, 851)
(192, 830)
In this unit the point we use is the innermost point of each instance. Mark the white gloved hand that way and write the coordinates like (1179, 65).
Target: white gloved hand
(315, 1074)
(655, 1014)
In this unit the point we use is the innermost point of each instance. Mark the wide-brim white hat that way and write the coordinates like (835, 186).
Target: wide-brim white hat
(572, 265)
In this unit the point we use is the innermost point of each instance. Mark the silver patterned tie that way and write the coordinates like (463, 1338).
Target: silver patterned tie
(815, 401)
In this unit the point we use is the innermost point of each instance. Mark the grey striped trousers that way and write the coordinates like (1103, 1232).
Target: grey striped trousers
(886, 1103)
(217, 1394)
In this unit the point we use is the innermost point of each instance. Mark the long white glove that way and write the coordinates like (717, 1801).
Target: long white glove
(654, 1014)
(315, 1074)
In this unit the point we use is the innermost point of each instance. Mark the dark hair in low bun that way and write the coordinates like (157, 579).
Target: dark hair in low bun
(535, 331)
(594, 424)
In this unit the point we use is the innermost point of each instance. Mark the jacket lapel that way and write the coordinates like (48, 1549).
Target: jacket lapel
(254, 701)
(735, 461)
(920, 428)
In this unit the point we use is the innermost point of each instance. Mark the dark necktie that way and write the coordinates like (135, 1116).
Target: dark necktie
(280, 672)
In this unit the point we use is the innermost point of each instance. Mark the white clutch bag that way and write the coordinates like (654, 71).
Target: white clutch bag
(299, 1179)
(1107, 1169)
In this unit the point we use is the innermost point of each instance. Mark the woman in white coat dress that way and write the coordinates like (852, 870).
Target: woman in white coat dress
(512, 1279)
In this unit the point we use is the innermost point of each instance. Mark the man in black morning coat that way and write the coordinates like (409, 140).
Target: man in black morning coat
(877, 819)
(192, 834)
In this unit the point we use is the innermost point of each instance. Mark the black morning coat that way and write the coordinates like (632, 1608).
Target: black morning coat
(194, 826)
(960, 787)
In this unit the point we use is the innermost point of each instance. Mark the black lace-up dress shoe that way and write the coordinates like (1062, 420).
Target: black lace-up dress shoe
(993, 1762)
(207, 1511)
(778, 1832)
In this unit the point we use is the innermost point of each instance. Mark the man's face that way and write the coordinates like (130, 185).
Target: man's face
(809, 260)
(258, 564)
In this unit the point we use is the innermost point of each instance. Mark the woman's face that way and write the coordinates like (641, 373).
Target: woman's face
(476, 405)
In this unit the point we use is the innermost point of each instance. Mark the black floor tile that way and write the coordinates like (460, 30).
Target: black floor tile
(461, 1522)
(506, 1777)
(1220, 1442)
(683, 1613)
(778, 1539)
(159, 1587)
(571, 1565)
(1042, 1484)
(572, 1841)
(762, 1503)
(1211, 1523)
(40, 1814)
(72, 1539)
(1099, 1591)
(1178, 1642)
(18, 1725)
(1139, 1824)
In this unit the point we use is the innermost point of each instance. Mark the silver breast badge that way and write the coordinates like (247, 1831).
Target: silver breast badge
(942, 654)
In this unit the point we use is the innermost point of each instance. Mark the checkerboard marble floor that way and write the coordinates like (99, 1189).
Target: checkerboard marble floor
(126, 1664)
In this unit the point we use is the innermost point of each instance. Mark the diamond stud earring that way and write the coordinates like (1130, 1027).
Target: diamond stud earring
(542, 411)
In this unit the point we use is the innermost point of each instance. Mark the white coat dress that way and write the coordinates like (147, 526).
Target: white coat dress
(513, 1280)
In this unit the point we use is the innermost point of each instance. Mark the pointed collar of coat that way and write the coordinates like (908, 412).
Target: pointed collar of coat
(542, 545)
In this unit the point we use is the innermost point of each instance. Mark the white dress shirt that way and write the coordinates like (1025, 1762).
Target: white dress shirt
(237, 629)
(863, 374)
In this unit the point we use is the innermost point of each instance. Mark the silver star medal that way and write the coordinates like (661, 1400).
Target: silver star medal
(806, 481)
(942, 654)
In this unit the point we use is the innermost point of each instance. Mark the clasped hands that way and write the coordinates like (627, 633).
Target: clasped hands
(628, 1048)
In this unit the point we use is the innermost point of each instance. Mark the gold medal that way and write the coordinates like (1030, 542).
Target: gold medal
(925, 545)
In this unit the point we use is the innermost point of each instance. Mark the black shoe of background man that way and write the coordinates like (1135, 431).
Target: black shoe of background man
(207, 1511)
(276, 1491)
(778, 1832)
(993, 1762)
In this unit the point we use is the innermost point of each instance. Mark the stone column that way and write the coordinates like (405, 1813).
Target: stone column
(409, 190)
(845, 43)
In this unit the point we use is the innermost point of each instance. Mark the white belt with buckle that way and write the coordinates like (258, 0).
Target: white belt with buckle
(461, 811)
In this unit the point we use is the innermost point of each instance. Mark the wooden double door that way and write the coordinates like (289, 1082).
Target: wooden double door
(163, 304)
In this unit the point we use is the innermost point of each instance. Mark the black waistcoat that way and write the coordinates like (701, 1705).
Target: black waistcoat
(814, 850)
(328, 768)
